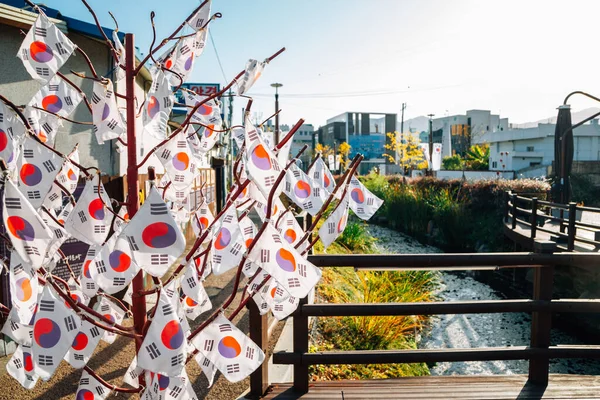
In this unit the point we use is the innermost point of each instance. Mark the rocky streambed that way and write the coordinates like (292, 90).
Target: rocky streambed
(476, 330)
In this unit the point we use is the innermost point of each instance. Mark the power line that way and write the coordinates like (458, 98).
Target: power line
(217, 54)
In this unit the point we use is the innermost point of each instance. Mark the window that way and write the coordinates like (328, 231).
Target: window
(497, 147)
(530, 148)
(495, 164)
(533, 164)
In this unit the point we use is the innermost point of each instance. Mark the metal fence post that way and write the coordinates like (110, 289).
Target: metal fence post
(572, 229)
(514, 211)
(259, 333)
(301, 347)
(541, 321)
(534, 206)
(506, 197)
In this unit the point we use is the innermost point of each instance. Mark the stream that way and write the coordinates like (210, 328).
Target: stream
(476, 330)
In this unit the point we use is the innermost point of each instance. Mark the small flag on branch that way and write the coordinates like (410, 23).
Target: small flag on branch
(291, 230)
(252, 72)
(335, 224)
(20, 332)
(12, 131)
(68, 178)
(119, 72)
(201, 17)
(307, 193)
(163, 387)
(163, 350)
(201, 219)
(364, 203)
(114, 268)
(321, 173)
(238, 135)
(229, 349)
(56, 327)
(84, 345)
(228, 246)
(113, 313)
(158, 106)
(207, 367)
(133, 373)
(91, 388)
(154, 236)
(108, 124)
(20, 367)
(38, 167)
(45, 49)
(283, 262)
(88, 285)
(180, 165)
(23, 287)
(28, 233)
(208, 114)
(90, 219)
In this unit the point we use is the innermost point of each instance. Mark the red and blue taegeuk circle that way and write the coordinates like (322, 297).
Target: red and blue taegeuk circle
(80, 342)
(285, 260)
(30, 174)
(223, 238)
(46, 333)
(96, 209)
(52, 103)
(119, 261)
(229, 347)
(260, 158)
(172, 335)
(20, 228)
(40, 52)
(159, 235)
(357, 195)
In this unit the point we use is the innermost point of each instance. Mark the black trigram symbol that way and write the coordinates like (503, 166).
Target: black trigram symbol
(206, 362)
(99, 229)
(68, 100)
(276, 238)
(84, 381)
(109, 94)
(253, 135)
(317, 174)
(248, 231)
(269, 181)
(34, 195)
(42, 71)
(167, 309)
(45, 360)
(53, 88)
(158, 209)
(49, 165)
(316, 192)
(331, 228)
(166, 102)
(13, 202)
(40, 31)
(159, 259)
(235, 250)
(308, 205)
(199, 22)
(132, 243)
(225, 328)
(100, 390)
(166, 154)
(302, 270)
(191, 282)
(296, 173)
(82, 216)
(233, 368)
(208, 345)
(275, 164)
(112, 124)
(96, 99)
(228, 218)
(47, 305)
(28, 153)
(293, 282)
(25, 54)
(265, 255)
(61, 49)
(118, 281)
(370, 201)
(94, 331)
(31, 250)
(78, 357)
(18, 363)
(176, 360)
(288, 187)
(181, 144)
(153, 351)
(100, 266)
(250, 353)
(184, 49)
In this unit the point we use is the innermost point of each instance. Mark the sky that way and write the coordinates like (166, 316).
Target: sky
(513, 57)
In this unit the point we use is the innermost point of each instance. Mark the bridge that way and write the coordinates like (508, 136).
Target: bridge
(537, 384)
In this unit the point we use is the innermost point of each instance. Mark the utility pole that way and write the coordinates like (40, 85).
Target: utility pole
(276, 86)
(402, 137)
(430, 141)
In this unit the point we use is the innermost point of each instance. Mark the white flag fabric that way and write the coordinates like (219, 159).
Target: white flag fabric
(164, 348)
(238, 134)
(88, 285)
(84, 345)
(302, 190)
(12, 131)
(207, 367)
(229, 349)
(283, 154)
(248, 229)
(90, 219)
(228, 246)
(290, 229)
(200, 42)
(262, 208)
(68, 178)
(169, 193)
(201, 17)
(252, 72)
(201, 219)
(91, 388)
(283, 262)
(176, 156)
(364, 203)
(20, 332)
(23, 287)
(38, 167)
(335, 224)
(208, 114)
(163, 387)
(59, 234)
(28, 233)
(20, 367)
(108, 123)
(113, 267)
(192, 287)
(436, 159)
(45, 49)
(133, 373)
(154, 236)
(179, 60)
(119, 72)
(320, 173)
(194, 309)
(113, 313)
(425, 149)
(56, 327)
(158, 105)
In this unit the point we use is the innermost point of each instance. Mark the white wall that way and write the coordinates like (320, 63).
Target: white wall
(475, 175)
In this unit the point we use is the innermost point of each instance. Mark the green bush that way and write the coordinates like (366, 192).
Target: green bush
(452, 163)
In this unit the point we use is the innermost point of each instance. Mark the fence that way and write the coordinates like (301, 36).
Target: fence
(541, 306)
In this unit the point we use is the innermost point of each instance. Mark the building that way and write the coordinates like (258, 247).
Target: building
(18, 86)
(364, 132)
(458, 132)
(304, 136)
(522, 150)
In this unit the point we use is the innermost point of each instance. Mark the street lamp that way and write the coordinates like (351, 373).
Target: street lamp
(430, 143)
(276, 86)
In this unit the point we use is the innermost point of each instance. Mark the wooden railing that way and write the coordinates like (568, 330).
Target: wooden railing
(528, 210)
(541, 306)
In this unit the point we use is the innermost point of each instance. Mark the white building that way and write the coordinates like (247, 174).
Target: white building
(303, 136)
(522, 149)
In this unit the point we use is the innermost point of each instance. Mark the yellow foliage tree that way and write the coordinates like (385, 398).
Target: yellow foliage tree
(325, 151)
(344, 152)
(409, 153)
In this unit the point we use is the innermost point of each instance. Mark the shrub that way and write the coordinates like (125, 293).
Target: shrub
(452, 163)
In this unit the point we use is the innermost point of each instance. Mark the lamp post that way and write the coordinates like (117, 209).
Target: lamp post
(276, 86)
(430, 169)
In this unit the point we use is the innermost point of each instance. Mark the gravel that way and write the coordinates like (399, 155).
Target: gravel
(476, 330)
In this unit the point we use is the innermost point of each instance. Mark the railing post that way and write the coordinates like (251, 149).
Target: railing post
(534, 206)
(259, 334)
(514, 211)
(561, 215)
(301, 347)
(572, 229)
(506, 194)
(541, 321)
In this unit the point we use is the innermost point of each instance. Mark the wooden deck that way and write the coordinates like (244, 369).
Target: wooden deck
(447, 387)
